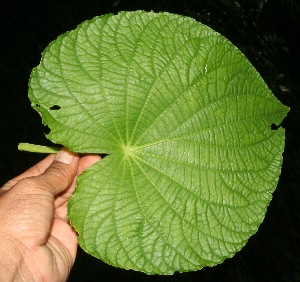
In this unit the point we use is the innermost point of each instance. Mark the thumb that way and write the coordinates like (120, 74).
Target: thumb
(60, 174)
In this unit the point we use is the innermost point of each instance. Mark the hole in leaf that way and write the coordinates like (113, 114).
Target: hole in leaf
(46, 129)
(37, 105)
(55, 108)
(274, 126)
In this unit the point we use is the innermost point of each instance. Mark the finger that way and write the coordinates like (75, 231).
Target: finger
(37, 169)
(86, 161)
(61, 173)
(66, 235)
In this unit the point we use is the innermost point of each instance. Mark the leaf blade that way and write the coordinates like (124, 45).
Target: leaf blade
(186, 121)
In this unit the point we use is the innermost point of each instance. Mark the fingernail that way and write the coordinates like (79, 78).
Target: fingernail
(64, 156)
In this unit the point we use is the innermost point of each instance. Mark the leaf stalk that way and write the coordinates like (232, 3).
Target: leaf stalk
(33, 148)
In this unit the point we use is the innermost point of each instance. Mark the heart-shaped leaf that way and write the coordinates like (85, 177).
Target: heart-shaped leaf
(186, 122)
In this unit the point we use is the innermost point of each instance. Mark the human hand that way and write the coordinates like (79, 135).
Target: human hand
(37, 242)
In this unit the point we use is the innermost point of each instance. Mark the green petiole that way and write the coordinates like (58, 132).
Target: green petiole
(37, 148)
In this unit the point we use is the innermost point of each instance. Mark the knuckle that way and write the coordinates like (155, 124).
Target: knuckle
(31, 185)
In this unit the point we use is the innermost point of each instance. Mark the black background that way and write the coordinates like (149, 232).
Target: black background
(267, 32)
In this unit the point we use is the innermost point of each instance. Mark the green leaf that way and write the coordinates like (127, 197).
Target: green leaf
(186, 122)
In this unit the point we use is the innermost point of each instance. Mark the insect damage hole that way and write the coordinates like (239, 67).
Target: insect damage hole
(55, 108)
(274, 126)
